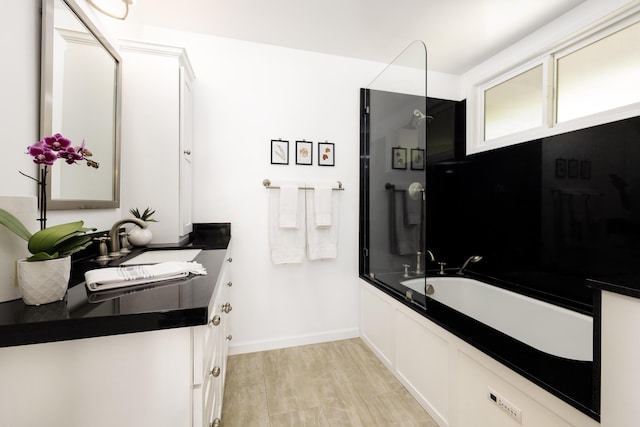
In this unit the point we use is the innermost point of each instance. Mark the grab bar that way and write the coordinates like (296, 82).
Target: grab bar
(268, 186)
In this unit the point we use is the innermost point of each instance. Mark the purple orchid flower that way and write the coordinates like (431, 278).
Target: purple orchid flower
(57, 142)
(70, 155)
(42, 154)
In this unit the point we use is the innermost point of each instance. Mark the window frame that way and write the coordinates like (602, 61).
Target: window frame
(549, 60)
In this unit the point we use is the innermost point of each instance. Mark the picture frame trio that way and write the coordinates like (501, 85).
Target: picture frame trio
(303, 153)
(399, 158)
(573, 168)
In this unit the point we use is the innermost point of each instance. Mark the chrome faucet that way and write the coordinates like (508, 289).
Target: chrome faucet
(473, 258)
(114, 235)
(419, 269)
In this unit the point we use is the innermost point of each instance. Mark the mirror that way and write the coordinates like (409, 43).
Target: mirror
(80, 98)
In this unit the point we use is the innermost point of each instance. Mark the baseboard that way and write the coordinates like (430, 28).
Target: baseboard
(254, 346)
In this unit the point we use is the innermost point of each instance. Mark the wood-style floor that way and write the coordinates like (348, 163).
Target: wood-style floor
(339, 384)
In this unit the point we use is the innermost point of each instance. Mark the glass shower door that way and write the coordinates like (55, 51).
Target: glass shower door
(393, 176)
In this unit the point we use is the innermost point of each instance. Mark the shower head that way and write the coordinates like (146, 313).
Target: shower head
(417, 118)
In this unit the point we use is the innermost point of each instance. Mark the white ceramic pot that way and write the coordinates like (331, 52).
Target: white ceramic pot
(42, 282)
(140, 236)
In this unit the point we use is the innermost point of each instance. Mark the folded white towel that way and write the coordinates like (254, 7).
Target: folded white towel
(287, 244)
(288, 206)
(322, 242)
(322, 195)
(118, 277)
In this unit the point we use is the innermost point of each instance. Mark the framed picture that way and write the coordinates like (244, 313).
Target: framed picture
(585, 169)
(573, 168)
(417, 159)
(304, 152)
(326, 154)
(398, 158)
(561, 168)
(279, 152)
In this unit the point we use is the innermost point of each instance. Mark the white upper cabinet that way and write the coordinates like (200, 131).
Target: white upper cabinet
(157, 136)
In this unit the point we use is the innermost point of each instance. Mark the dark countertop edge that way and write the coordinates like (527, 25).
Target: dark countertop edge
(623, 289)
(72, 329)
(443, 317)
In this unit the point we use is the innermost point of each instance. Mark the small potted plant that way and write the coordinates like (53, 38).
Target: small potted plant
(141, 236)
(44, 276)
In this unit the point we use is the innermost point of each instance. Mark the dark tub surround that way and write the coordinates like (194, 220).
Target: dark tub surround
(82, 314)
(545, 215)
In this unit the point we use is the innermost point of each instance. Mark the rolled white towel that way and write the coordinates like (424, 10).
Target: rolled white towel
(118, 277)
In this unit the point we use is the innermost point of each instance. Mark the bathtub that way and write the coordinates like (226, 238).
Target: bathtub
(546, 327)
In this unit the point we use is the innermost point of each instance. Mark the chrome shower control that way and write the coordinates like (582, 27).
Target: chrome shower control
(406, 269)
(442, 264)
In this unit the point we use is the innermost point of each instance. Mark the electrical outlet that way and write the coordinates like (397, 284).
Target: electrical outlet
(509, 408)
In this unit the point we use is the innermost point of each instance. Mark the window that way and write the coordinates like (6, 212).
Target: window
(589, 80)
(514, 105)
(600, 76)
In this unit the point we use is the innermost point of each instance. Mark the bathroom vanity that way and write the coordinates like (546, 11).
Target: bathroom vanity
(149, 355)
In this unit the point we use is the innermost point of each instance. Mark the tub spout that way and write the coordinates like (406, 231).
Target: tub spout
(419, 269)
(474, 258)
(114, 238)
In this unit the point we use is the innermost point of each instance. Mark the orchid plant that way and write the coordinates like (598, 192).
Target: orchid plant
(45, 152)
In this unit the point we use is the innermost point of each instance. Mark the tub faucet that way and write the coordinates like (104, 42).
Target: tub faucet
(474, 258)
(419, 269)
(114, 235)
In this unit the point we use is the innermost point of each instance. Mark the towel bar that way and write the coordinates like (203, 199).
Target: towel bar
(267, 185)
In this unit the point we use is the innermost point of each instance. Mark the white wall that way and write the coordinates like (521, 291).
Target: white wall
(245, 95)
(19, 85)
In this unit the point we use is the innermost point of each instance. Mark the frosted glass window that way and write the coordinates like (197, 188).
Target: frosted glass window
(599, 77)
(514, 105)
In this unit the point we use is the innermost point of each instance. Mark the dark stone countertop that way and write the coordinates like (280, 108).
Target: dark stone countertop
(83, 314)
(628, 285)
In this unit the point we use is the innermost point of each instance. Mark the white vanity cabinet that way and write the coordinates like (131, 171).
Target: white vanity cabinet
(210, 363)
(161, 378)
(157, 136)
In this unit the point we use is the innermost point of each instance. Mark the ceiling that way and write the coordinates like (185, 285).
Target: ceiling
(459, 34)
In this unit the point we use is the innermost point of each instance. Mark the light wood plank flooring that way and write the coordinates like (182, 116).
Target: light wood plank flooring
(340, 384)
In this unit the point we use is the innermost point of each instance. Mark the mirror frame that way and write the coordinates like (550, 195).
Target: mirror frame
(46, 101)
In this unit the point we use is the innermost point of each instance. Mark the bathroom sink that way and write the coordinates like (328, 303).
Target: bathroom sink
(155, 256)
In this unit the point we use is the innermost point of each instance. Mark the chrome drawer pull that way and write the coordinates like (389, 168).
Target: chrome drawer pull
(215, 372)
(215, 321)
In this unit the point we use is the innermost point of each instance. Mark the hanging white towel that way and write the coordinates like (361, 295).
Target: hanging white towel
(322, 195)
(287, 244)
(288, 206)
(322, 242)
(412, 209)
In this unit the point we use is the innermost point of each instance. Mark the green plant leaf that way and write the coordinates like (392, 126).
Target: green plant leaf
(43, 256)
(46, 240)
(12, 223)
(73, 244)
(145, 216)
